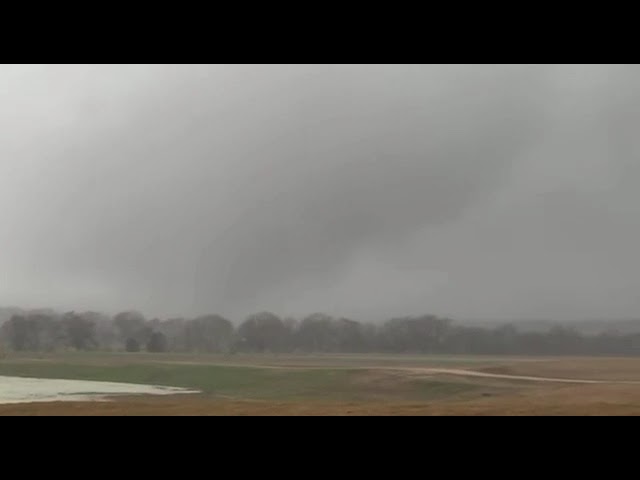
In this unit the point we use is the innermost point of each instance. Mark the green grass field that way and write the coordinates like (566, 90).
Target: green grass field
(256, 377)
(335, 384)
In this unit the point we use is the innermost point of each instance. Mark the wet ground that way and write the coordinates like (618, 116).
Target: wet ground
(24, 390)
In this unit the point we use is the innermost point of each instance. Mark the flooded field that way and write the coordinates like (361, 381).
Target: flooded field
(25, 390)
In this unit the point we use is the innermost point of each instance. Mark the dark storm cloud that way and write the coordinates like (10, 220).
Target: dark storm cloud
(361, 180)
(365, 189)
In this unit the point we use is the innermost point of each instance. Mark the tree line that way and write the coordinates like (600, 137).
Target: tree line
(266, 332)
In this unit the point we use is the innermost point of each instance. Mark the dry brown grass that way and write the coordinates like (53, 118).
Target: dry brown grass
(581, 400)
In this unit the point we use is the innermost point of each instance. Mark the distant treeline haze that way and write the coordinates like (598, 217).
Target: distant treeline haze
(266, 332)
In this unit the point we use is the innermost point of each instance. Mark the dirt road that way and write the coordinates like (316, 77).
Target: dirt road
(426, 371)
(473, 373)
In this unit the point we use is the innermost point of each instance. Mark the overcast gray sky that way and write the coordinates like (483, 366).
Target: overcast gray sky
(475, 191)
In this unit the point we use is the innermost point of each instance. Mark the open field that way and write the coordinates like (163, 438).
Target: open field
(340, 384)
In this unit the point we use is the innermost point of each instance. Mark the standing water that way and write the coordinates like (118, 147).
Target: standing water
(24, 390)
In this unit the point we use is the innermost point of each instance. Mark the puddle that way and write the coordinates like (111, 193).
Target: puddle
(25, 390)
